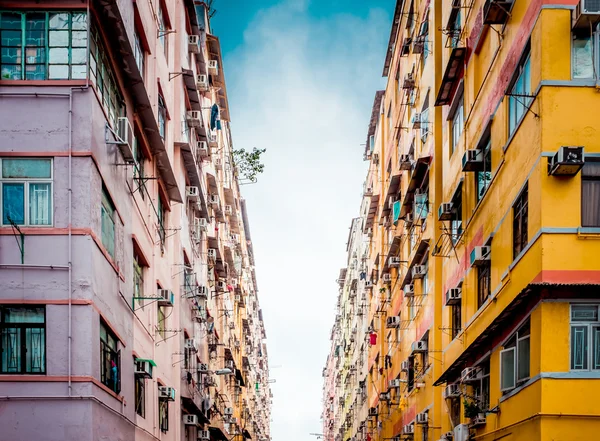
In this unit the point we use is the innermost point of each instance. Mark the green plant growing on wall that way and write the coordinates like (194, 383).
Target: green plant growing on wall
(248, 164)
(472, 409)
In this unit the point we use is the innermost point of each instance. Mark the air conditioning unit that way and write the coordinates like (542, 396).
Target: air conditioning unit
(125, 139)
(468, 375)
(453, 296)
(166, 393)
(211, 253)
(416, 121)
(143, 368)
(419, 346)
(221, 286)
(405, 366)
(194, 118)
(228, 411)
(203, 435)
(230, 364)
(213, 67)
(202, 367)
(202, 224)
(190, 343)
(228, 210)
(368, 191)
(409, 81)
(193, 44)
(190, 420)
(394, 384)
(218, 163)
(368, 284)
(409, 429)
(201, 149)
(451, 391)
(213, 141)
(192, 193)
(213, 199)
(394, 261)
(472, 160)
(387, 278)
(209, 381)
(384, 396)
(231, 325)
(422, 418)
(480, 255)
(479, 420)
(418, 271)
(496, 11)
(165, 297)
(409, 290)
(567, 161)
(405, 162)
(202, 83)
(445, 211)
(234, 237)
(393, 322)
(373, 412)
(409, 219)
(236, 344)
(447, 436)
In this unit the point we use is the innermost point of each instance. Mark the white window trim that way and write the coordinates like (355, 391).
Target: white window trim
(26, 182)
(502, 352)
(590, 326)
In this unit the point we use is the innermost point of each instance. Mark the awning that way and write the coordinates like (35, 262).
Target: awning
(391, 190)
(110, 16)
(422, 249)
(240, 377)
(152, 363)
(246, 434)
(391, 44)
(191, 407)
(190, 163)
(452, 76)
(214, 53)
(195, 13)
(190, 88)
(372, 212)
(217, 434)
(416, 179)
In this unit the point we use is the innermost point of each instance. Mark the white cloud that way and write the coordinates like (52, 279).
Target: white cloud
(303, 89)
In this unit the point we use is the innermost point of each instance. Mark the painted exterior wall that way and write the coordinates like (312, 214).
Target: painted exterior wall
(67, 269)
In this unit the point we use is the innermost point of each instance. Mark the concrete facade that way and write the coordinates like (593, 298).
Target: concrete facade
(178, 213)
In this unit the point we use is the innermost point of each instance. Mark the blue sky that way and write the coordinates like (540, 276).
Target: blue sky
(301, 77)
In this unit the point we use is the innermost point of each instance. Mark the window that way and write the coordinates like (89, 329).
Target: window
(108, 216)
(514, 359)
(140, 396)
(520, 223)
(139, 53)
(425, 119)
(458, 124)
(161, 214)
(590, 194)
(163, 415)
(481, 387)
(162, 117)
(484, 283)
(101, 75)
(389, 118)
(138, 279)
(455, 31)
(163, 31)
(162, 329)
(139, 173)
(424, 36)
(456, 325)
(484, 177)
(23, 339)
(110, 359)
(585, 337)
(583, 55)
(421, 208)
(520, 94)
(43, 45)
(26, 191)
(455, 411)
(410, 377)
(456, 222)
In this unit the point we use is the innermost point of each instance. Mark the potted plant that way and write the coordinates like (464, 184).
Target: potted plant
(472, 409)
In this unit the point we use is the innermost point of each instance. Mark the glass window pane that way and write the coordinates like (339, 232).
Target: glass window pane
(59, 38)
(59, 55)
(79, 21)
(79, 39)
(59, 21)
(596, 347)
(523, 356)
(78, 72)
(579, 347)
(10, 340)
(35, 356)
(27, 168)
(35, 55)
(10, 20)
(13, 203)
(583, 63)
(13, 72)
(35, 72)
(58, 72)
(78, 56)
(11, 38)
(40, 205)
(23, 315)
(10, 55)
(35, 29)
(507, 369)
(584, 313)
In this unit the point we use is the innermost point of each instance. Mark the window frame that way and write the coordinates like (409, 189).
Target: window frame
(22, 328)
(520, 226)
(481, 190)
(513, 343)
(591, 352)
(163, 415)
(140, 395)
(107, 206)
(518, 106)
(484, 291)
(162, 117)
(455, 319)
(114, 355)
(26, 182)
(589, 180)
(457, 123)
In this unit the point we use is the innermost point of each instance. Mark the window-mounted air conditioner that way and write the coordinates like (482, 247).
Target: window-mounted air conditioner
(422, 418)
(143, 368)
(393, 322)
(213, 67)
(166, 393)
(479, 420)
(480, 255)
(213, 141)
(202, 367)
(192, 193)
(472, 160)
(194, 118)
(212, 253)
(405, 366)
(387, 278)
(416, 120)
(567, 161)
(445, 211)
(418, 271)
(221, 286)
(419, 346)
(193, 44)
(203, 435)
(453, 296)
(409, 290)
(190, 343)
(451, 391)
(202, 224)
(231, 325)
(165, 297)
(213, 199)
(394, 261)
(190, 420)
(218, 163)
(409, 429)
(384, 396)
(468, 375)
(228, 411)
(373, 412)
(405, 162)
(125, 139)
(228, 210)
(394, 384)
(202, 82)
(201, 149)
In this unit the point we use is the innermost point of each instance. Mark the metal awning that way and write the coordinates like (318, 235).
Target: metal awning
(452, 76)
(416, 179)
(373, 121)
(240, 377)
(191, 407)
(190, 89)
(391, 44)
(416, 260)
(110, 17)
(372, 211)
(214, 53)
(392, 189)
(246, 434)
(190, 163)
(216, 434)
(195, 13)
